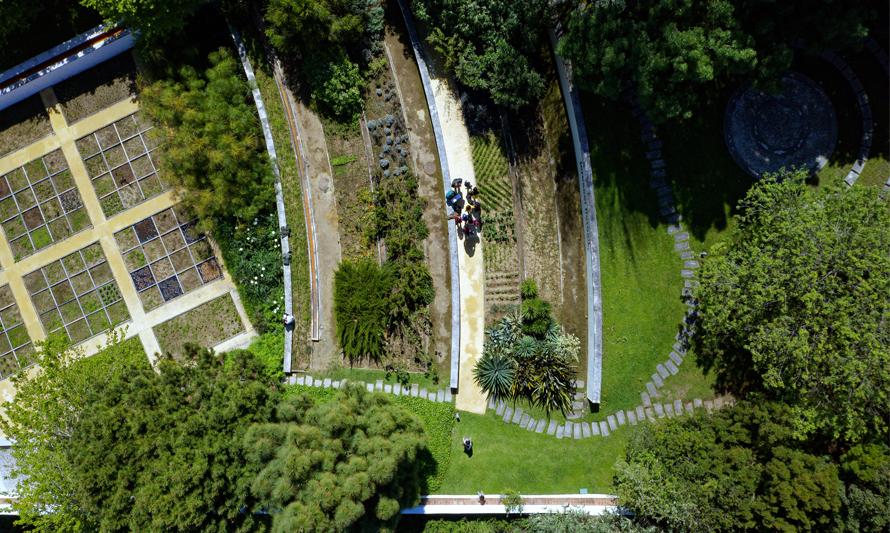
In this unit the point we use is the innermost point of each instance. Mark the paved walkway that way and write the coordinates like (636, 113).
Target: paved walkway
(592, 504)
(471, 268)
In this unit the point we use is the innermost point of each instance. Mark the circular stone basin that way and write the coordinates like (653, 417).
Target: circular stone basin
(793, 128)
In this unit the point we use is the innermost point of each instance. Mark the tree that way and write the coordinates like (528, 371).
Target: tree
(335, 86)
(212, 148)
(679, 54)
(42, 422)
(161, 450)
(361, 308)
(865, 469)
(739, 468)
(337, 465)
(155, 19)
(490, 45)
(795, 305)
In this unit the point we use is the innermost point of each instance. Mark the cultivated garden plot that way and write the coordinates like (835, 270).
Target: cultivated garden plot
(77, 295)
(39, 205)
(120, 162)
(15, 344)
(97, 88)
(167, 257)
(206, 325)
(23, 124)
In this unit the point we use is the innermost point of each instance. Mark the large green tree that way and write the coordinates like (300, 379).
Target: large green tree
(212, 146)
(740, 468)
(162, 450)
(490, 45)
(679, 54)
(795, 305)
(337, 465)
(43, 419)
(155, 19)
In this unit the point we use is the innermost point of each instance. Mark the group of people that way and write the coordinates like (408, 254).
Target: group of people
(468, 216)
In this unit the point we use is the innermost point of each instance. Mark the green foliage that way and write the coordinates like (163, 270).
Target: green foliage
(252, 252)
(212, 148)
(795, 306)
(490, 45)
(437, 420)
(335, 86)
(336, 465)
(512, 501)
(536, 317)
(866, 471)
(739, 468)
(361, 308)
(268, 350)
(341, 160)
(161, 450)
(155, 19)
(494, 374)
(42, 421)
(528, 289)
(679, 54)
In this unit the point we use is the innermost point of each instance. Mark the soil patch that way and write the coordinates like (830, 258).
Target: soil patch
(206, 325)
(23, 124)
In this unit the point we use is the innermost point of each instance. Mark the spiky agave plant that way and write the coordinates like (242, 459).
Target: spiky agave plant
(494, 373)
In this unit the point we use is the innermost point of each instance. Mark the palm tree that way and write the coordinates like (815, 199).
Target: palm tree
(494, 373)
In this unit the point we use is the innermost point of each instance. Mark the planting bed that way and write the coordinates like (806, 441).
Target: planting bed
(15, 344)
(206, 325)
(97, 88)
(120, 161)
(166, 257)
(39, 205)
(77, 294)
(22, 124)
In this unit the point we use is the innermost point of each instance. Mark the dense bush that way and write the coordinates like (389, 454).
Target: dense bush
(212, 147)
(335, 86)
(361, 308)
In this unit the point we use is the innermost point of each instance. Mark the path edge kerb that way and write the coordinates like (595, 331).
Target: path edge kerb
(591, 232)
(279, 194)
(446, 182)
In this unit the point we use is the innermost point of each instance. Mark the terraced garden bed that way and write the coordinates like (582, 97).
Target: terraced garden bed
(23, 124)
(16, 348)
(206, 325)
(97, 88)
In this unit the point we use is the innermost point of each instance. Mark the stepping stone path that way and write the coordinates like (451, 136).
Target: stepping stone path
(397, 389)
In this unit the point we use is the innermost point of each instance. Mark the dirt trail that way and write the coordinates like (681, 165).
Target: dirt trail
(426, 168)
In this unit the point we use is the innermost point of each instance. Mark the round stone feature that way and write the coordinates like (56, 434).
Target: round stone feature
(795, 127)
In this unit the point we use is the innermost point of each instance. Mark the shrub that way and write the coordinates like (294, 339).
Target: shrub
(336, 86)
(362, 308)
(494, 373)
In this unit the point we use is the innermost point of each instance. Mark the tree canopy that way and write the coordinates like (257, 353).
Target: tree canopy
(679, 54)
(741, 468)
(155, 19)
(332, 466)
(794, 306)
(212, 146)
(490, 45)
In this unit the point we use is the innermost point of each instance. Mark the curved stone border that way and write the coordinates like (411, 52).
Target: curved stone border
(864, 112)
(279, 195)
(446, 182)
(397, 389)
(591, 232)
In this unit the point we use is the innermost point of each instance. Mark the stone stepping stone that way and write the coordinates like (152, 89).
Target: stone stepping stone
(299, 380)
(688, 254)
(604, 429)
(659, 410)
(580, 396)
(669, 409)
(397, 389)
(560, 431)
(687, 273)
(422, 394)
(577, 406)
(691, 283)
(568, 426)
(676, 358)
(718, 402)
(662, 371)
(309, 380)
(579, 384)
(319, 382)
(523, 420)
(387, 388)
(491, 403)
(415, 389)
(551, 429)
(632, 418)
(440, 395)
(370, 387)
(517, 415)
(576, 431)
(641, 414)
(650, 414)
(619, 416)
(335, 384)
(656, 378)
(679, 348)
(645, 398)
(688, 407)
(530, 426)
(680, 246)
(448, 397)
(651, 389)
(500, 408)
(613, 424)
(678, 407)
(378, 385)
(709, 405)
(658, 163)
(539, 427)
(671, 367)
(508, 413)
(585, 430)
(691, 264)
(574, 416)
(682, 236)
(431, 396)
(594, 429)
(697, 403)
(674, 228)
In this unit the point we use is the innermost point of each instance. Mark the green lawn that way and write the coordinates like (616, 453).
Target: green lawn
(508, 457)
